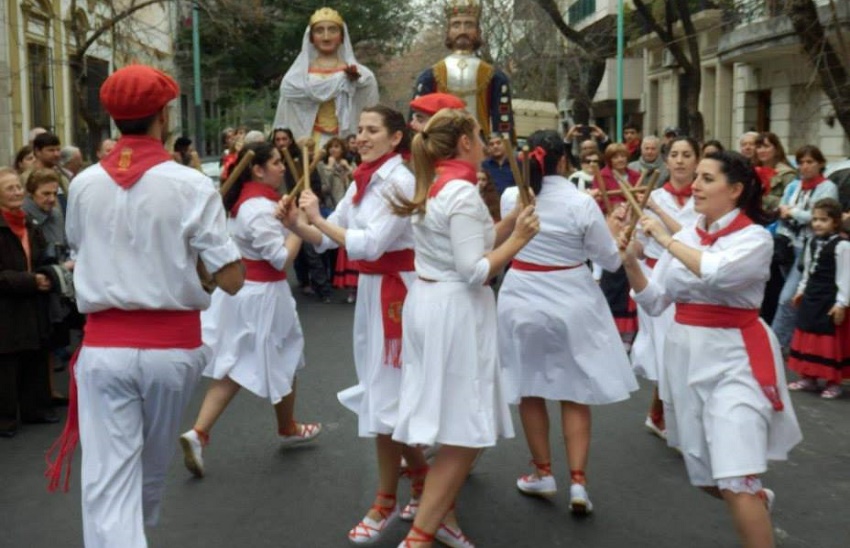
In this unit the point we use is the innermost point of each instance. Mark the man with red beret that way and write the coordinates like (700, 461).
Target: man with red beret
(138, 223)
(424, 107)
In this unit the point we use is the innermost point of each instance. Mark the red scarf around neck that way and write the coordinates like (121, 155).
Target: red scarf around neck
(681, 194)
(363, 174)
(765, 174)
(452, 170)
(739, 222)
(253, 189)
(812, 183)
(132, 157)
(17, 221)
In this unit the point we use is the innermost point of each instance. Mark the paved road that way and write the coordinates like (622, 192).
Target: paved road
(256, 495)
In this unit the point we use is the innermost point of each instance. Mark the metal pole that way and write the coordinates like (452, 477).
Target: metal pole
(620, 48)
(196, 64)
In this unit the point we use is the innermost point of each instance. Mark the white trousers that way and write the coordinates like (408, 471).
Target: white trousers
(131, 405)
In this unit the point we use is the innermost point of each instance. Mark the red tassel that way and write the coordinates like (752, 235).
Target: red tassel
(66, 444)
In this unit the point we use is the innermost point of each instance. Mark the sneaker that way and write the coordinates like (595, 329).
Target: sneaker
(369, 531)
(453, 537)
(831, 392)
(193, 451)
(408, 513)
(306, 432)
(654, 429)
(580, 504)
(806, 384)
(537, 486)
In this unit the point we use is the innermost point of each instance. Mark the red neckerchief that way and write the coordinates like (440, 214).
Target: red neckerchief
(812, 183)
(681, 194)
(633, 146)
(253, 190)
(765, 174)
(452, 170)
(363, 174)
(739, 222)
(17, 221)
(227, 164)
(132, 157)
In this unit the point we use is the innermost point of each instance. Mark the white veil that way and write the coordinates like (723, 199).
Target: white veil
(301, 94)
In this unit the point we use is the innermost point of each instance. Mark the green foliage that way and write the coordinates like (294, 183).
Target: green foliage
(250, 45)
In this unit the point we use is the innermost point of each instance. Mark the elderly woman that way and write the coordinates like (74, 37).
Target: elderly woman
(23, 366)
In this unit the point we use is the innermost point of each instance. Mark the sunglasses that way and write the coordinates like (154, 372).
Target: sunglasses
(590, 161)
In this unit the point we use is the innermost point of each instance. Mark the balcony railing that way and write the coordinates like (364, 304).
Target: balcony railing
(748, 11)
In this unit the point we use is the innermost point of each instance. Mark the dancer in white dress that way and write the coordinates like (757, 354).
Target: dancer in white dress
(451, 391)
(557, 338)
(672, 204)
(724, 381)
(255, 335)
(381, 245)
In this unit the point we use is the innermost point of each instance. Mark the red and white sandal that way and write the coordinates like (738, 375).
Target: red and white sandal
(417, 484)
(453, 537)
(369, 531)
(416, 535)
(305, 432)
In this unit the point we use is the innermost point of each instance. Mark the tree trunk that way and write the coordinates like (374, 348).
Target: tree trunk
(583, 79)
(831, 70)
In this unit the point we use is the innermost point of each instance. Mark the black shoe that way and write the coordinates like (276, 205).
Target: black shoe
(45, 417)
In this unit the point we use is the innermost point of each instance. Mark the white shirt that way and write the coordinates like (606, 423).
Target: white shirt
(842, 271)
(258, 234)
(733, 271)
(684, 215)
(372, 228)
(454, 235)
(137, 248)
(572, 228)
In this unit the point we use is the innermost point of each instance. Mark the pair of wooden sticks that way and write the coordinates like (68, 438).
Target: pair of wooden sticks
(521, 179)
(629, 194)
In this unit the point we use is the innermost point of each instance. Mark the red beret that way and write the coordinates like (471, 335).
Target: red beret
(432, 103)
(137, 91)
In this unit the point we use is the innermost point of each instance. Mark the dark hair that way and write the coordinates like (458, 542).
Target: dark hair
(632, 125)
(137, 126)
(44, 140)
(814, 152)
(691, 141)
(25, 151)
(832, 208)
(335, 141)
(553, 145)
(768, 137)
(182, 144)
(738, 169)
(286, 130)
(394, 121)
(41, 177)
(713, 143)
(263, 152)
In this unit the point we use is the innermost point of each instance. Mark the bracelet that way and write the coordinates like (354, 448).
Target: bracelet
(667, 247)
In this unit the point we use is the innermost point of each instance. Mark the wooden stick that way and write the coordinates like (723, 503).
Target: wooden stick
(304, 180)
(512, 162)
(237, 171)
(290, 165)
(627, 192)
(635, 190)
(522, 184)
(603, 191)
(653, 180)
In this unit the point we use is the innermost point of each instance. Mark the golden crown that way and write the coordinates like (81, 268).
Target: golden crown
(463, 7)
(326, 15)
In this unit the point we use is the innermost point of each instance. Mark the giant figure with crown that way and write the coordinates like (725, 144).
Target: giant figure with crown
(486, 89)
(325, 89)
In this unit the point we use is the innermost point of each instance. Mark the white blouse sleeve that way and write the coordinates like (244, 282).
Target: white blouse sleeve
(210, 237)
(382, 230)
(654, 297)
(467, 226)
(741, 264)
(267, 235)
(339, 217)
(842, 273)
(598, 242)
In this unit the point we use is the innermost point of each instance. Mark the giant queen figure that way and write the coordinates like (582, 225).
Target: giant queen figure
(325, 89)
(486, 90)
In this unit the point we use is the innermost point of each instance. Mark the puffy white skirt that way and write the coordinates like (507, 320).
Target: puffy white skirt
(255, 337)
(375, 396)
(648, 347)
(558, 340)
(716, 412)
(451, 390)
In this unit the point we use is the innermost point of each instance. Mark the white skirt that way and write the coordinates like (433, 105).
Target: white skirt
(558, 340)
(451, 391)
(375, 396)
(255, 338)
(716, 412)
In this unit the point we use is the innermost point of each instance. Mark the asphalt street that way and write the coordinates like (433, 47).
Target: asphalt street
(258, 495)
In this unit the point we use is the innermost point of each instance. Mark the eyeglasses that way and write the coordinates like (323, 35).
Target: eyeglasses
(590, 162)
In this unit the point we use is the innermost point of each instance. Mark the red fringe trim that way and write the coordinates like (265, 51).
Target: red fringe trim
(66, 444)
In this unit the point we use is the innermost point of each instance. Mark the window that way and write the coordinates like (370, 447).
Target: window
(581, 10)
(41, 90)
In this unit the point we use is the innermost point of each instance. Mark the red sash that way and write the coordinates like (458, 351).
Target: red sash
(516, 264)
(393, 293)
(262, 271)
(756, 339)
(113, 328)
